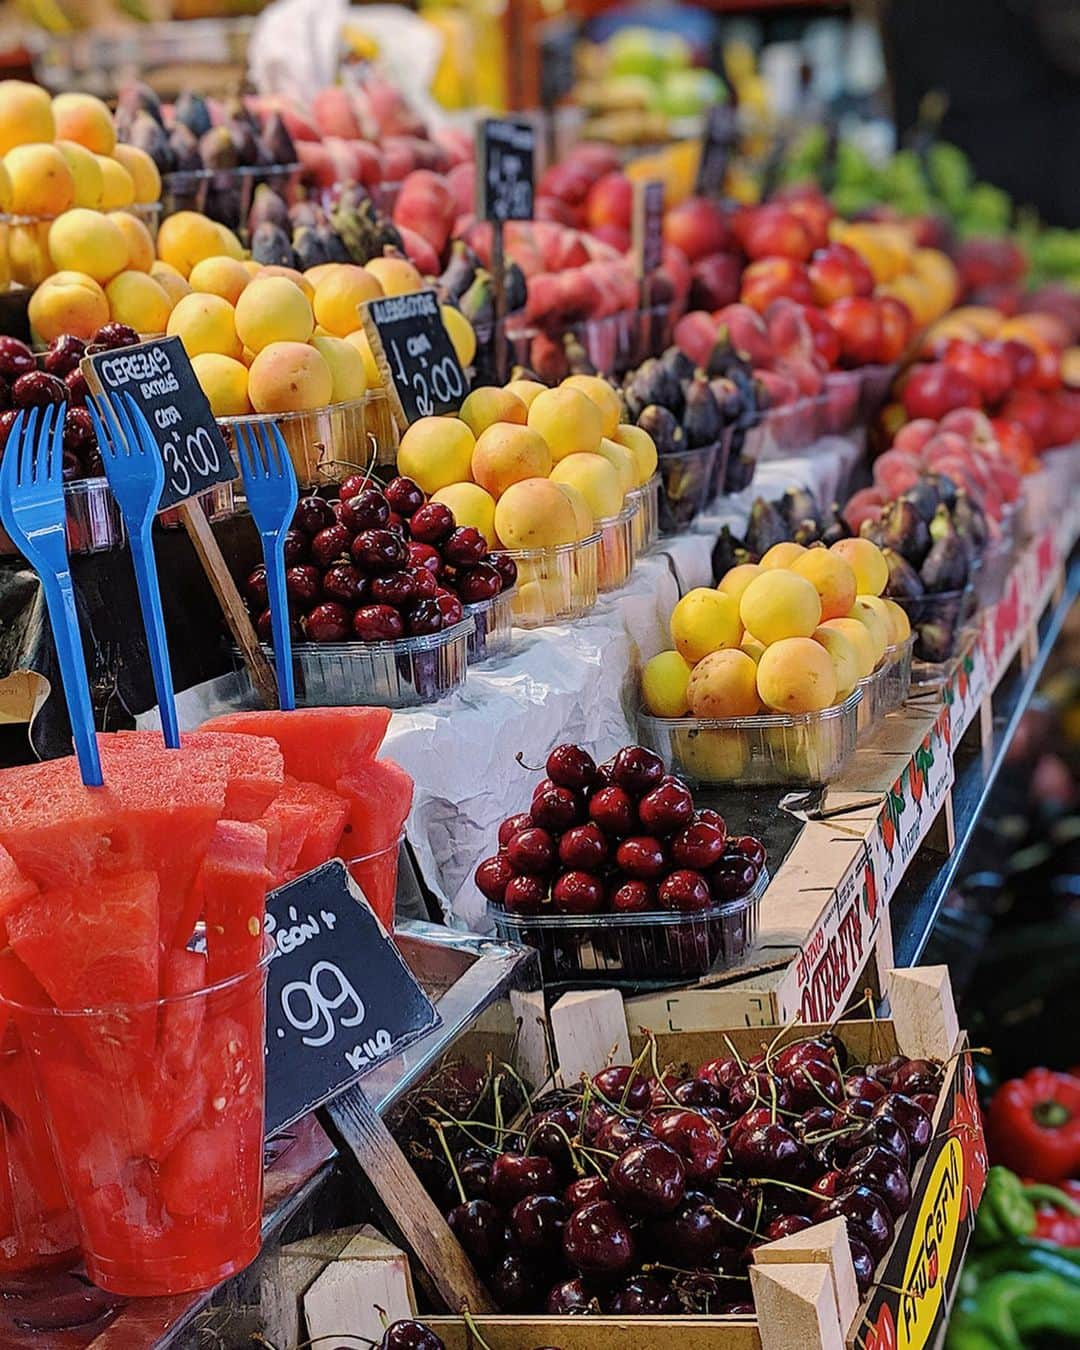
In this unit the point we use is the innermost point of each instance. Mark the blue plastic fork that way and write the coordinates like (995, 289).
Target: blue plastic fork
(270, 487)
(34, 515)
(136, 474)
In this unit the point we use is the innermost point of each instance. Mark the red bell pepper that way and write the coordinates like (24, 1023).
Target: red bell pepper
(1055, 1224)
(1033, 1125)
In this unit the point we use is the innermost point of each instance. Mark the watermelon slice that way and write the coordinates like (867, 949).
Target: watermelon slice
(15, 887)
(380, 798)
(182, 972)
(253, 765)
(320, 745)
(200, 1175)
(327, 813)
(286, 827)
(234, 883)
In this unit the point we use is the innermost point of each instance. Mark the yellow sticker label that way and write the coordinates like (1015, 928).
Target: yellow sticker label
(932, 1243)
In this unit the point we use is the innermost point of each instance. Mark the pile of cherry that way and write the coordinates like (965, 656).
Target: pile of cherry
(621, 837)
(379, 564)
(645, 1190)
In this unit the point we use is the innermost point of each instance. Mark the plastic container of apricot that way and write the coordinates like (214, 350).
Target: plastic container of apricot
(555, 584)
(796, 749)
(886, 688)
(656, 947)
(687, 479)
(328, 444)
(493, 626)
(403, 673)
(617, 551)
(647, 520)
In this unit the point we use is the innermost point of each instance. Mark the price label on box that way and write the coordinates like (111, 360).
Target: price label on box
(912, 804)
(159, 377)
(339, 997)
(415, 355)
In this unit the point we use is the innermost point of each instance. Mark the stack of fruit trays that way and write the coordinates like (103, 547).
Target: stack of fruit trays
(769, 670)
(614, 876)
(391, 597)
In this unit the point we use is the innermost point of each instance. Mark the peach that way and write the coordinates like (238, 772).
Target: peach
(26, 115)
(487, 405)
(461, 333)
(534, 514)
(736, 579)
(664, 681)
(85, 173)
(435, 452)
(219, 276)
(28, 253)
(396, 276)
(119, 187)
(698, 227)
(506, 453)
(339, 294)
(796, 675)
(569, 421)
(205, 323)
(314, 275)
(359, 340)
(186, 238)
(86, 241)
(136, 299)
(170, 280)
(270, 310)
(867, 562)
(778, 605)
(224, 382)
(144, 172)
(426, 206)
(349, 380)
(859, 639)
(68, 302)
(86, 120)
(289, 377)
(41, 182)
(471, 505)
(845, 656)
(140, 246)
(783, 554)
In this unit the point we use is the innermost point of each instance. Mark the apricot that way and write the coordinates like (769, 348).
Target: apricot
(224, 382)
(622, 461)
(86, 241)
(314, 275)
(583, 517)
(471, 505)
(86, 120)
(871, 612)
(186, 238)
(778, 605)
(435, 452)
(598, 391)
(781, 555)
(290, 274)
(867, 562)
(396, 276)
(596, 478)
(289, 377)
(724, 684)
(664, 681)
(136, 299)
(643, 448)
(846, 659)
(359, 340)
(569, 422)
(118, 186)
(461, 333)
(140, 246)
(526, 390)
(506, 453)
(736, 579)
(26, 114)
(705, 621)
(339, 295)
(831, 577)
(170, 280)
(796, 675)
(489, 404)
(221, 275)
(6, 194)
(712, 754)
(28, 253)
(752, 647)
(534, 514)
(231, 247)
(41, 182)
(86, 175)
(346, 368)
(205, 323)
(861, 643)
(68, 302)
(272, 309)
(144, 172)
(901, 624)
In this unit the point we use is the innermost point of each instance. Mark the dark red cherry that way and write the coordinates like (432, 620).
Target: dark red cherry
(636, 769)
(328, 622)
(911, 1118)
(423, 555)
(867, 1216)
(881, 1171)
(407, 1334)
(685, 891)
(812, 1084)
(696, 1092)
(648, 1179)
(786, 1225)
(863, 1262)
(642, 1295)
(597, 1240)
(555, 808)
(477, 584)
(255, 588)
(404, 496)
(478, 1226)
(114, 335)
(37, 389)
(379, 551)
(79, 435)
(77, 390)
(550, 1133)
(426, 618)
(751, 848)
(927, 1100)
(466, 547)
(492, 876)
(395, 588)
(532, 851)
(570, 1296)
(583, 1189)
(578, 893)
(303, 584)
(699, 846)
(720, 1073)
(771, 1151)
(633, 897)
(917, 1075)
(450, 608)
(572, 767)
(368, 510)
(424, 584)
(731, 880)
(330, 544)
(353, 485)
(860, 1085)
(623, 1085)
(378, 623)
(524, 895)
(612, 808)
(513, 825)
(432, 523)
(583, 848)
(696, 1140)
(668, 807)
(536, 1223)
(16, 358)
(297, 547)
(884, 1072)
(641, 858)
(341, 581)
(313, 514)
(506, 568)
(515, 1175)
(618, 1133)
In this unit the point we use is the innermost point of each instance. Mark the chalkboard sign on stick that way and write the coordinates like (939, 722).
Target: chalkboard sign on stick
(717, 142)
(415, 355)
(505, 163)
(159, 377)
(339, 998)
(647, 239)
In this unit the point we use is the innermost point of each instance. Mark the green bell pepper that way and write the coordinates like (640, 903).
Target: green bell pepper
(1005, 1211)
(1013, 1306)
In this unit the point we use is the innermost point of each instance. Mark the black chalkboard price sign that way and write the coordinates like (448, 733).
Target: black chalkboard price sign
(717, 142)
(159, 377)
(504, 170)
(339, 998)
(413, 350)
(647, 235)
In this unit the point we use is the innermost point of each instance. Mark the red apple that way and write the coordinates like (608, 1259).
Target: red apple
(698, 227)
(934, 390)
(858, 323)
(773, 232)
(610, 201)
(897, 328)
(770, 278)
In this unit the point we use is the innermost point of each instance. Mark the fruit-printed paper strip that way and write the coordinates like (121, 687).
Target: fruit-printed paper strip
(912, 803)
(159, 377)
(339, 997)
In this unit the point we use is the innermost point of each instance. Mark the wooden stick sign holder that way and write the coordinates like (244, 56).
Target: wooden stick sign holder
(144, 371)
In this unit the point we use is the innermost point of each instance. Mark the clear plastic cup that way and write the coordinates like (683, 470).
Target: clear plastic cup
(376, 875)
(155, 1111)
